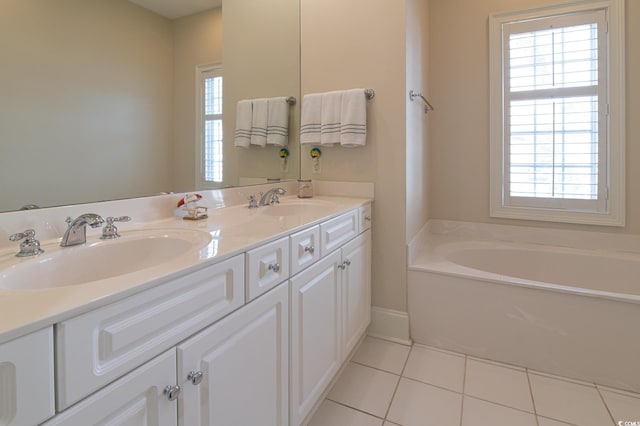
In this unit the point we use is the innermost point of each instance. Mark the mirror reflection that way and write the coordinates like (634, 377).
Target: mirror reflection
(103, 100)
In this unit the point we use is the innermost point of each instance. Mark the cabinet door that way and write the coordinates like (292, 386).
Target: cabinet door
(315, 333)
(96, 348)
(26, 379)
(135, 399)
(240, 367)
(356, 289)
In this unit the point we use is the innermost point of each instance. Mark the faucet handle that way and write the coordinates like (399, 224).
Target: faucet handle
(253, 202)
(110, 231)
(30, 246)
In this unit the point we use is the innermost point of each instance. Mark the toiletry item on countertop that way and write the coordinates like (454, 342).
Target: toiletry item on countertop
(305, 189)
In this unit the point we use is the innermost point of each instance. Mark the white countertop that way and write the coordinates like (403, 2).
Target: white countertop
(233, 230)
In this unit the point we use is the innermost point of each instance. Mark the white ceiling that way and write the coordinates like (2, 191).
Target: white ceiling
(173, 9)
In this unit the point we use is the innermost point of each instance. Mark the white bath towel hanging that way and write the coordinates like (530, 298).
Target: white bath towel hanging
(310, 119)
(242, 136)
(259, 122)
(278, 122)
(330, 118)
(353, 118)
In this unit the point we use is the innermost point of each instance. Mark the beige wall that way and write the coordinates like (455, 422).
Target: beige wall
(197, 40)
(459, 128)
(417, 121)
(261, 45)
(361, 43)
(85, 111)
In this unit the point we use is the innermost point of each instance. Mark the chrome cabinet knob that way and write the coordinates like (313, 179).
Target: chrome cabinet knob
(342, 266)
(275, 267)
(347, 262)
(195, 377)
(172, 392)
(367, 218)
(309, 249)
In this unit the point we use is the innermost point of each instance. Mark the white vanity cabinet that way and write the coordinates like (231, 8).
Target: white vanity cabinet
(26, 379)
(96, 348)
(138, 398)
(236, 372)
(330, 311)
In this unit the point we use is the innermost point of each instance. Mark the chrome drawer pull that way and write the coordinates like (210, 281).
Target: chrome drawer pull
(172, 392)
(195, 377)
(309, 249)
(275, 267)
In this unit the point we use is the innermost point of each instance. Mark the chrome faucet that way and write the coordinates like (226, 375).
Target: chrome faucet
(271, 196)
(77, 229)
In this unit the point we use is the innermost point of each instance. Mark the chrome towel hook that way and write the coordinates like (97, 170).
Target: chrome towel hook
(427, 105)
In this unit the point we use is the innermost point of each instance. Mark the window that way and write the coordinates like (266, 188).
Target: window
(209, 160)
(557, 114)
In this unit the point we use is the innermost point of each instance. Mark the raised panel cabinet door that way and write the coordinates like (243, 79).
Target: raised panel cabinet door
(96, 348)
(316, 353)
(356, 289)
(236, 372)
(26, 379)
(138, 399)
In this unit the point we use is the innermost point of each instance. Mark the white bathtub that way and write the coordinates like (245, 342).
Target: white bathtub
(507, 294)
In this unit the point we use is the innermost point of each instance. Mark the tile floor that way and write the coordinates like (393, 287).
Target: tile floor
(387, 384)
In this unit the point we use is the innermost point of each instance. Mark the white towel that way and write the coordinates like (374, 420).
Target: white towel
(330, 118)
(259, 122)
(244, 114)
(353, 118)
(278, 122)
(310, 119)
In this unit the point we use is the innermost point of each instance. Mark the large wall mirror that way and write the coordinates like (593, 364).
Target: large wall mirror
(100, 99)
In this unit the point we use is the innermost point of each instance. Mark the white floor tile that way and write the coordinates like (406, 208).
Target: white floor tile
(623, 407)
(436, 368)
(499, 384)
(365, 389)
(332, 414)
(419, 404)
(569, 402)
(543, 421)
(481, 413)
(390, 424)
(381, 354)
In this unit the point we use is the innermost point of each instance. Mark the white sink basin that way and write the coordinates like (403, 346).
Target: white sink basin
(102, 259)
(298, 207)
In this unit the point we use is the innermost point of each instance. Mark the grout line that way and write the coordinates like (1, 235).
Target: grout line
(395, 391)
(556, 420)
(533, 401)
(375, 368)
(354, 409)
(613, 419)
(464, 384)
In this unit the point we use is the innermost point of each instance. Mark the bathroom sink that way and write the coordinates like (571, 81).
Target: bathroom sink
(296, 207)
(99, 260)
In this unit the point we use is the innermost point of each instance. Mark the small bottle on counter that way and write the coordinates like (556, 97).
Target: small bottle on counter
(305, 189)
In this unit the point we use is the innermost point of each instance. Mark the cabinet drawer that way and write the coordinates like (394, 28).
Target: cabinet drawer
(267, 266)
(305, 248)
(365, 217)
(26, 379)
(137, 398)
(337, 231)
(96, 348)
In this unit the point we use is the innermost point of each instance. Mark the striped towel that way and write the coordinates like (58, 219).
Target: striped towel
(310, 119)
(244, 113)
(353, 118)
(259, 122)
(330, 118)
(278, 122)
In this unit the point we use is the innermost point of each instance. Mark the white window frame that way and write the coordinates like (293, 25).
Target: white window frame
(610, 210)
(203, 72)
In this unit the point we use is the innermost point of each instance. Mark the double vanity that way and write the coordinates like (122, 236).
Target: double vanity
(243, 318)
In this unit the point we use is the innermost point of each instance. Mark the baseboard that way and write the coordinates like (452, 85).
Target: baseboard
(390, 325)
